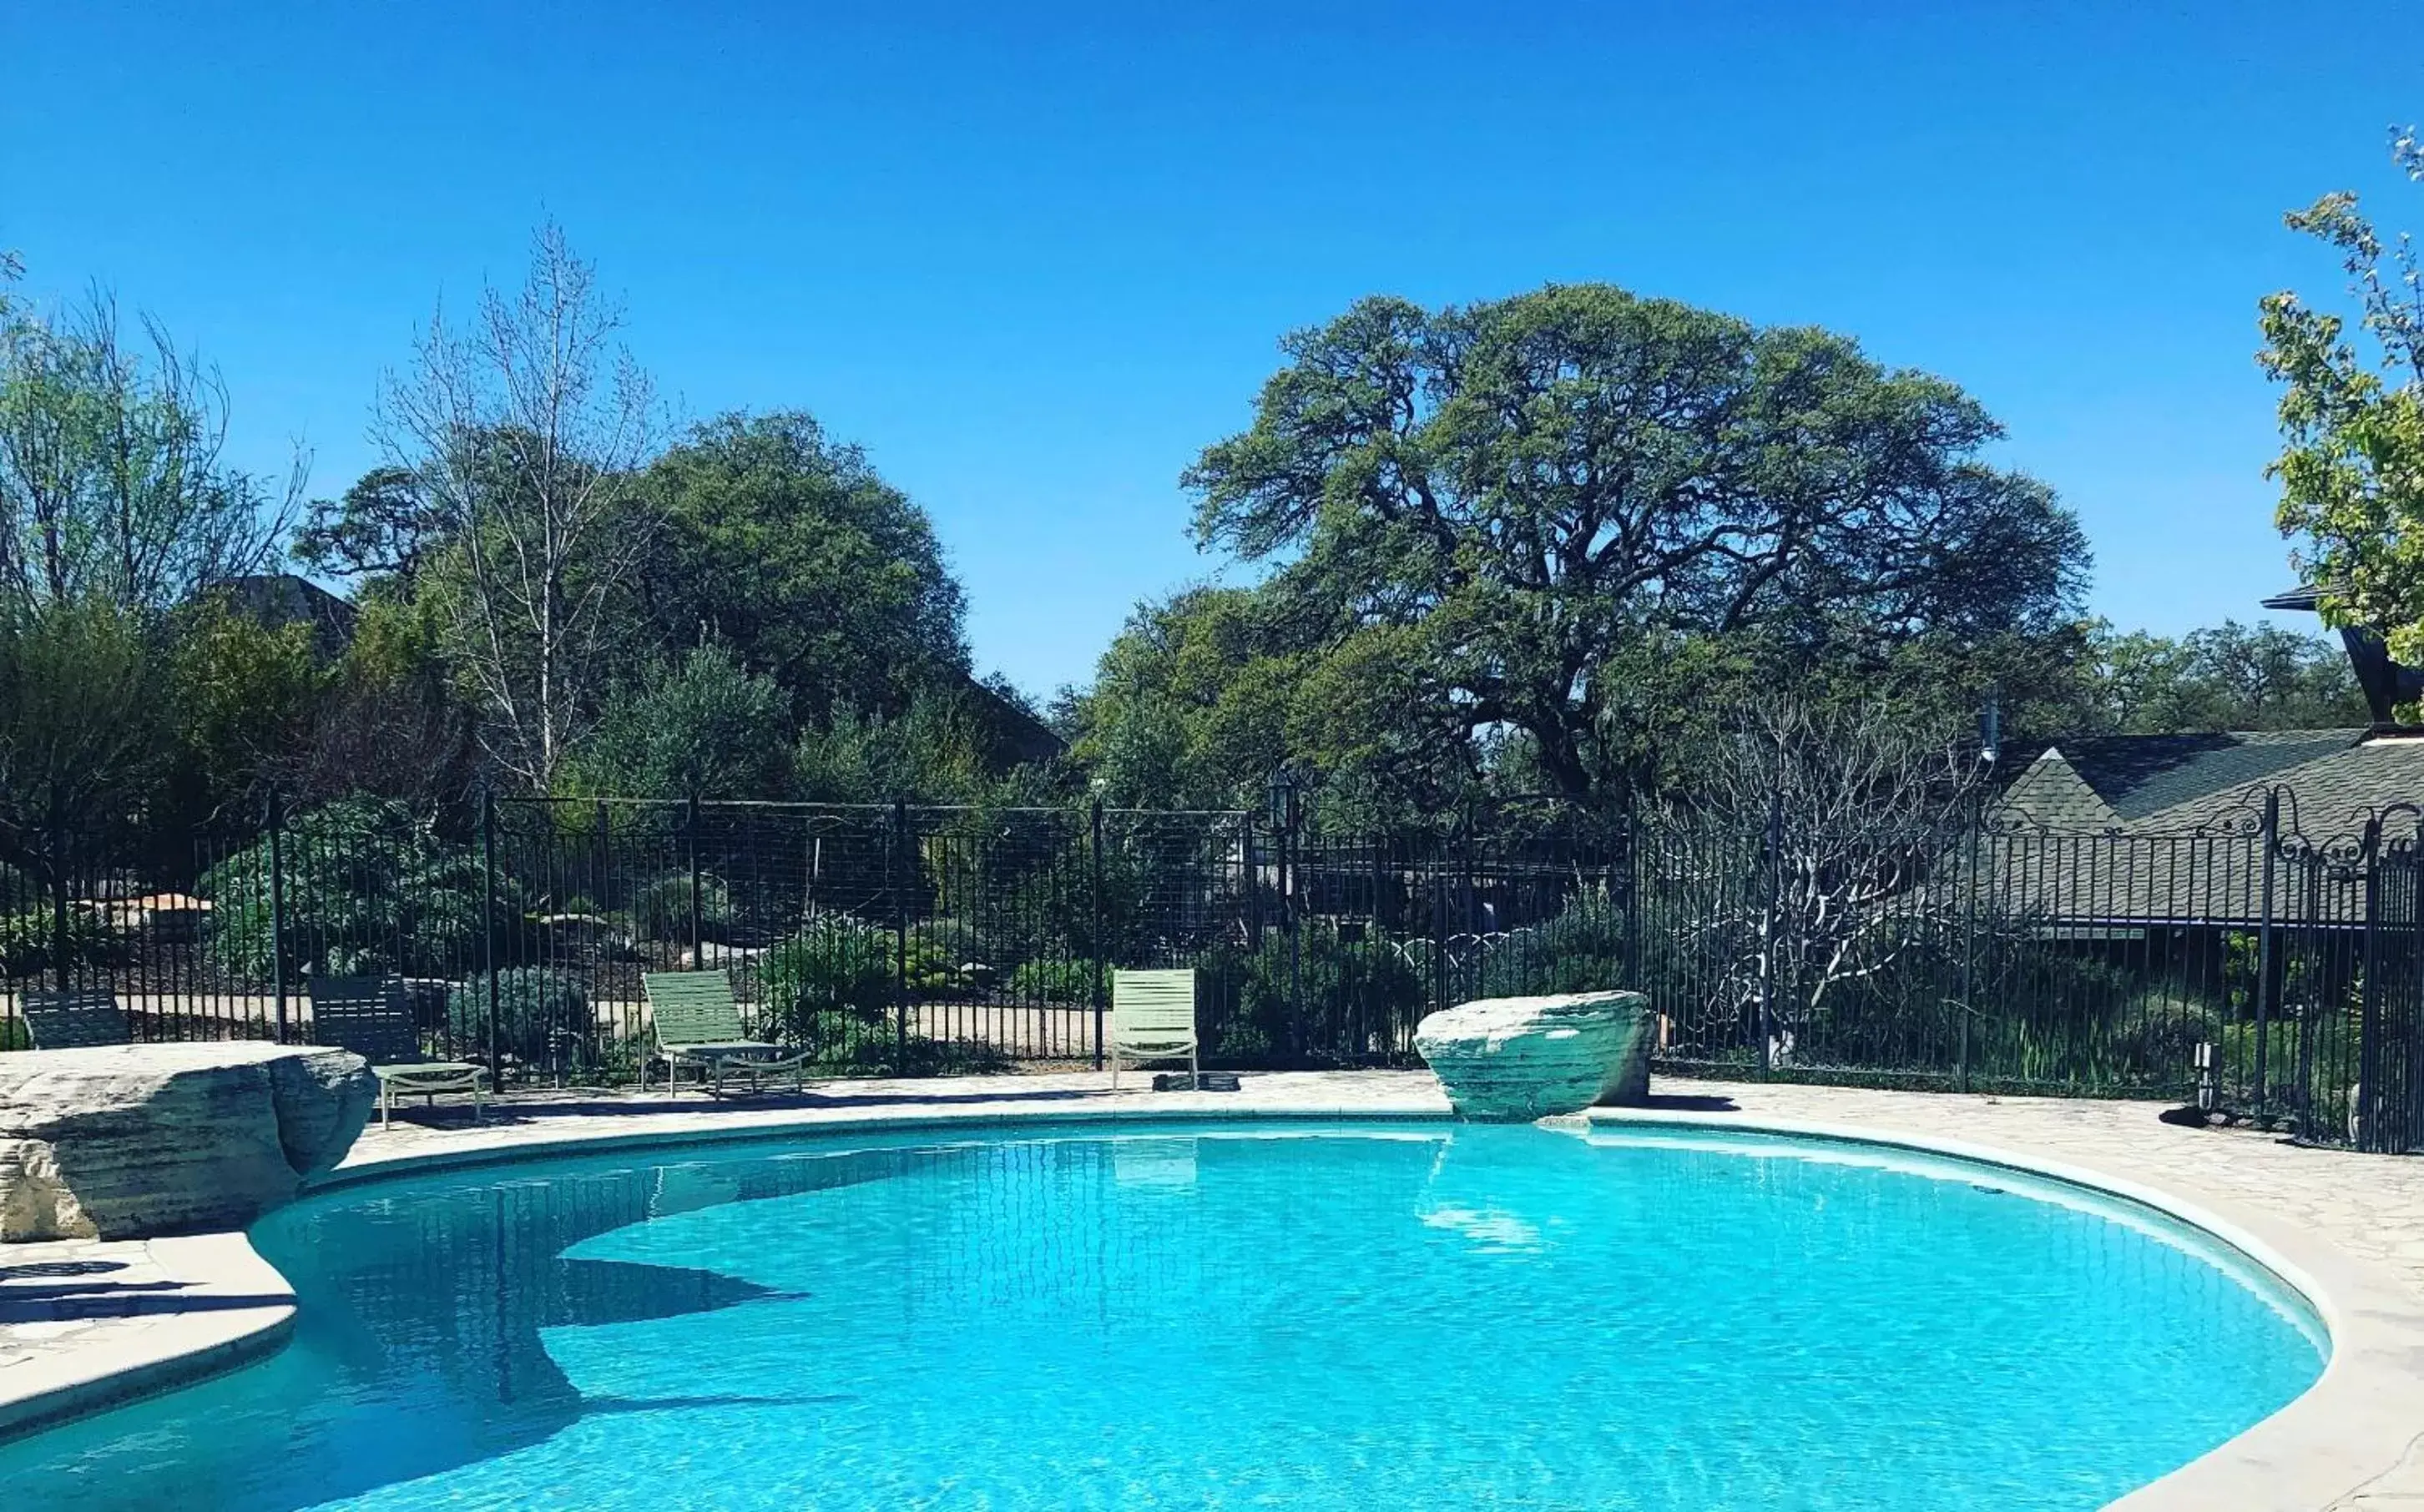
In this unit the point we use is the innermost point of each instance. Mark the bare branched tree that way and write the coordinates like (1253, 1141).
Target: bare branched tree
(523, 428)
(1849, 819)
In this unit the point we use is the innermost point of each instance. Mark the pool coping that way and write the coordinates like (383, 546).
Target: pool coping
(246, 1312)
(2323, 1449)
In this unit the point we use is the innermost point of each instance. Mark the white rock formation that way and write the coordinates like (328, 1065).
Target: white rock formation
(1515, 1059)
(130, 1141)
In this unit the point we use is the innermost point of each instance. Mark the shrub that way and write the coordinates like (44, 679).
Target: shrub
(661, 908)
(829, 986)
(1054, 982)
(1357, 997)
(28, 942)
(369, 886)
(542, 1016)
(1579, 950)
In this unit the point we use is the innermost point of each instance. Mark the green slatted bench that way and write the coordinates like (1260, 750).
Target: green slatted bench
(74, 1021)
(369, 1016)
(1153, 1018)
(694, 1022)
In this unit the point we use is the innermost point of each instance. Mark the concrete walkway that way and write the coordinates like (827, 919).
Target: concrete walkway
(2349, 1226)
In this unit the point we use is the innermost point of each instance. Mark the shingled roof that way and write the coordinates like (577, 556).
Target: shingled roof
(2148, 829)
(2168, 784)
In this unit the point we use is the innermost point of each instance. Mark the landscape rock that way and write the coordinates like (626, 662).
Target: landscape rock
(1517, 1059)
(133, 1141)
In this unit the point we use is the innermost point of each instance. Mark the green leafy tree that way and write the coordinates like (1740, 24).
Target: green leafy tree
(2351, 465)
(2231, 677)
(1190, 705)
(697, 726)
(1493, 532)
(391, 721)
(795, 552)
(242, 699)
(112, 485)
(385, 529)
(940, 749)
(83, 740)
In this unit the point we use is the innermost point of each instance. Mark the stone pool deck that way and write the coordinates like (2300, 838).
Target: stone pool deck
(85, 1324)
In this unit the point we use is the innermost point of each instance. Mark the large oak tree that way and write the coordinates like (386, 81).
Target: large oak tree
(1485, 523)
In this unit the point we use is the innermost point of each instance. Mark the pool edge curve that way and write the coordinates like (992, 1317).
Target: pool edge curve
(2325, 1446)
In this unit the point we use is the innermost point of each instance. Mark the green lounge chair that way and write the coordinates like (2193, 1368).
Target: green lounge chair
(369, 1016)
(1153, 1018)
(695, 1022)
(72, 1021)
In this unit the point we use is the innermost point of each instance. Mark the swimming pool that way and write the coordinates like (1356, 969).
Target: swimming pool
(1219, 1316)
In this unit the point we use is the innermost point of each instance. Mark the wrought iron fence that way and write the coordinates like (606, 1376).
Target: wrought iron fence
(2240, 965)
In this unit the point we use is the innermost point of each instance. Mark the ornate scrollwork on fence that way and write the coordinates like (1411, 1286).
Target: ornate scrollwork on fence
(2245, 819)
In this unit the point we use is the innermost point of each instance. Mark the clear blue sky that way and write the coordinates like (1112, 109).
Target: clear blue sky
(1034, 258)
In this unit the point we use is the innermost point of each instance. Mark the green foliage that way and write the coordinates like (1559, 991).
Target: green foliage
(1472, 515)
(1362, 994)
(2352, 464)
(698, 725)
(790, 548)
(937, 750)
(29, 940)
(661, 908)
(368, 886)
(1581, 949)
(391, 721)
(1061, 979)
(385, 527)
(542, 1016)
(243, 696)
(1190, 705)
(81, 737)
(111, 485)
(829, 987)
(2229, 678)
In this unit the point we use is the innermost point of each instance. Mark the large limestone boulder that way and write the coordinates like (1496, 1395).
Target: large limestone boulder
(130, 1141)
(1518, 1059)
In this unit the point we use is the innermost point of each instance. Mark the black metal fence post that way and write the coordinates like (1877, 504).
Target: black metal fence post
(1253, 890)
(2368, 1034)
(488, 925)
(2267, 841)
(1974, 820)
(1400, 1036)
(2409, 1134)
(1772, 859)
(1435, 843)
(2308, 1008)
(1292, 905)
(277, 912)
(61, 871)
(901, 872)
(690, 845)
(1630, 837)
(1094, 869)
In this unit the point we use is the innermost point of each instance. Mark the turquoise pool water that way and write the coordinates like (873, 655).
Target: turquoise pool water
(1317, 1316)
